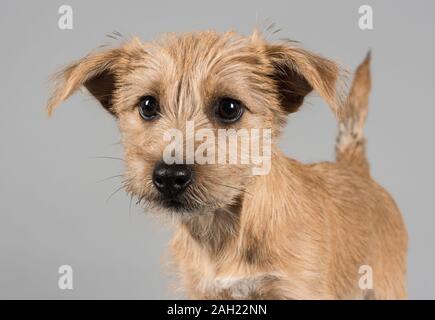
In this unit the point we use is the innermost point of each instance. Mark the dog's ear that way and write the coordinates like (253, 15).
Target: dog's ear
(297, 72)
(98, 72)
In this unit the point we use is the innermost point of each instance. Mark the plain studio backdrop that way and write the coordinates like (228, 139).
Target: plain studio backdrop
(53, 210)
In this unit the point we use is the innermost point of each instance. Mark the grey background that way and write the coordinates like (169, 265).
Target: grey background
(54, 212)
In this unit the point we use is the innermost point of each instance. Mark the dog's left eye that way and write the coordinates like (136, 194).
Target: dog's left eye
(229, 110)
(148, 107)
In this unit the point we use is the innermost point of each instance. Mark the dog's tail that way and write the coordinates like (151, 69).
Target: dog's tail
(350, 146)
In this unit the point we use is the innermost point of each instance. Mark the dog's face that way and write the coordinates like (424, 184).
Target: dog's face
(213, 81)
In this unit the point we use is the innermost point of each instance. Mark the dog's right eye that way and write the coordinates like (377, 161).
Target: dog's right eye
(148, 108)
(229, 110)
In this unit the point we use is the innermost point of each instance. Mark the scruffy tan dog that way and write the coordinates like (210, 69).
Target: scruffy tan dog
(299, 232)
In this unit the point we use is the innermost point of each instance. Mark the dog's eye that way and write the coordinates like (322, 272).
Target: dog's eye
(148, 107)
(229, 110)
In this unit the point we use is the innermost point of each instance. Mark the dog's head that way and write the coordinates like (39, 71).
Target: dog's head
(207, 80)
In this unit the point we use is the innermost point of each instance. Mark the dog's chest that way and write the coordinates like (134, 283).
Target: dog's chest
(239, 287)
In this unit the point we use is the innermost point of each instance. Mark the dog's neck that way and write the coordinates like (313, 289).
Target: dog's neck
(214, 231)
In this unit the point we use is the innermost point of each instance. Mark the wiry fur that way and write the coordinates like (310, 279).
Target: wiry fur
(300, 232)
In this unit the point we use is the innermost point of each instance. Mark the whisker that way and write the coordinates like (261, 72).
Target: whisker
(114, 192)
(139, 200)
(104, 157)
(116, 143)
(129, 207)
(232, 187)
(111, 177)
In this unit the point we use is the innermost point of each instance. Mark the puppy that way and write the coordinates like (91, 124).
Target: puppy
(318, 231)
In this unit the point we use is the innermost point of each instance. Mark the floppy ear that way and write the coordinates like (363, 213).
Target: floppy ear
(96, 72)
(297, 72)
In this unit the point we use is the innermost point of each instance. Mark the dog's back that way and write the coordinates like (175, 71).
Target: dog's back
(367, 224)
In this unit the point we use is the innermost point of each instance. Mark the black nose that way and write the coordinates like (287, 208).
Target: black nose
(172, 179)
